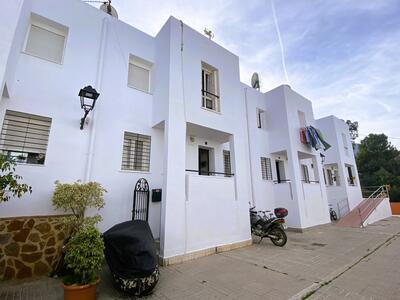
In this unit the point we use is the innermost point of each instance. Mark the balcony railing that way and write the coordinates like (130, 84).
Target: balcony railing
(210, 173)
(310, 181)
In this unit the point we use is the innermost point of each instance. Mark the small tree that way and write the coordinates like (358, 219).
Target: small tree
(9, 181)
(353, 128)
(84, 257)
(77, 198)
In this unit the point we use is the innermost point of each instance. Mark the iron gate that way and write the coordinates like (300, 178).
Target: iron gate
(141, 196)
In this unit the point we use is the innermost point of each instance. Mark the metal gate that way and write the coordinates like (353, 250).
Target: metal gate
(141, 196)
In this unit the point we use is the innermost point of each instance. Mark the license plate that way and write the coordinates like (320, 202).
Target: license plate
(284, 226)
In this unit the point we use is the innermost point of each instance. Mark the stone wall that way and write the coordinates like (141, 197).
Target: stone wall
(29, 246)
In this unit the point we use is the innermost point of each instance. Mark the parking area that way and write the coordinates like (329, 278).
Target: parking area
(325, 262)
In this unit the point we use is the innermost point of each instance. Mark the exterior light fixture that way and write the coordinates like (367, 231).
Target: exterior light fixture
(88, 97)
(322, 157)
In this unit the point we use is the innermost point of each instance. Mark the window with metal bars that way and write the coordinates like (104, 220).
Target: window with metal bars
(24, 137)
(266, 169)
(227, 163)
(136, 152)
(306, 175)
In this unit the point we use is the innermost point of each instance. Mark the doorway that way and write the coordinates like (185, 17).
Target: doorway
(204, 161)
(280, 170)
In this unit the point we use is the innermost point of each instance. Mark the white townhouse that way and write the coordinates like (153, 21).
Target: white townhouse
(340, 169)
(171, 110)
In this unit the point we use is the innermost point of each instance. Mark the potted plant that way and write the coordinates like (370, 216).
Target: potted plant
(75, 198)
(82, 253)
(84, 258)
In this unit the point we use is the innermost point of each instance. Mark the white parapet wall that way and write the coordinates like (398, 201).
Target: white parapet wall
(382, 211)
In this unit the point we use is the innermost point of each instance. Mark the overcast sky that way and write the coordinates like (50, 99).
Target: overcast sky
(343, 55)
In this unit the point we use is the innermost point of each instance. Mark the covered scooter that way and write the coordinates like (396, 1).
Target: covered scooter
(131, 255)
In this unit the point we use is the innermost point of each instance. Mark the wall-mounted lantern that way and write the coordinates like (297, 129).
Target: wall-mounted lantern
(88, 97)
(322, 158)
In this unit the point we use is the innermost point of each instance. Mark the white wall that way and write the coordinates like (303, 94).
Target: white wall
(332, 129)
(382, 211)
(49, 89)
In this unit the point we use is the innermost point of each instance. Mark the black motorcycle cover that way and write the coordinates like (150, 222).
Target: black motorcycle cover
(130, 250)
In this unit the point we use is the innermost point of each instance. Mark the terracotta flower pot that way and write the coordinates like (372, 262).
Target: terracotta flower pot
(80, 292)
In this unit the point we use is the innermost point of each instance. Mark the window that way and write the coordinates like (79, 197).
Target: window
(302, 119)
(306, 175)
(24, 137)
(209, 87)
(227, 163)
(266, 169)
(139, 74)
(136, 152)
(330, 176)
(260, 118)
(351, 178)
(46, 39)
(345, 145)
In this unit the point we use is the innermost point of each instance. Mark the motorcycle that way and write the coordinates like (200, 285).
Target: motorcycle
(272, 226)
(332, 213)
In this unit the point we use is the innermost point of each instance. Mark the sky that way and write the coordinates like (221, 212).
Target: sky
(343, 55)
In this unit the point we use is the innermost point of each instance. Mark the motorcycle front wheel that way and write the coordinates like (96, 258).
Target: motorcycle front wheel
(279, 238)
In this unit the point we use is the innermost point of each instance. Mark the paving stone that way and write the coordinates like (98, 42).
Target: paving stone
(263, 271)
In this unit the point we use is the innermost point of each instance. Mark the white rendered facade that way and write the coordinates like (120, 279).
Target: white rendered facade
(344, 192)
(175, 106)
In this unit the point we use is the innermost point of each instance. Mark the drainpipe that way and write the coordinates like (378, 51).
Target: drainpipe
(98, 85)
(248, 144)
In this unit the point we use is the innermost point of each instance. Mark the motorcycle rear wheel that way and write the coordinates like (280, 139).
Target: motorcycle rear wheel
(281, 239)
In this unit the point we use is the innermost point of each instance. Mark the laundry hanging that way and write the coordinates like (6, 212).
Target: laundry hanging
(313, 137)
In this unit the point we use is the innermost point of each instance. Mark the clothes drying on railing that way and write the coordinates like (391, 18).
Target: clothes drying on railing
(313, 137)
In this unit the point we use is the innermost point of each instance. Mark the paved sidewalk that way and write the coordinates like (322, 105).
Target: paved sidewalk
(362, 263)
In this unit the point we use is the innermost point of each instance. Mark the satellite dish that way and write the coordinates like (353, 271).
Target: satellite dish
(255, 81)
(109, 9)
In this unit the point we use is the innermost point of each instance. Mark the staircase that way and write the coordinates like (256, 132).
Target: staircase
(358, 215)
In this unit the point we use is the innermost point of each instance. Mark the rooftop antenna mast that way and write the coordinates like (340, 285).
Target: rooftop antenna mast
(106, 7)
(209, 33)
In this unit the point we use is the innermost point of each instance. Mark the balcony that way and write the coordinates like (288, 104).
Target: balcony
(209, 199)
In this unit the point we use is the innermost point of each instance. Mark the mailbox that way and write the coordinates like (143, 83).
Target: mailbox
(156, 195)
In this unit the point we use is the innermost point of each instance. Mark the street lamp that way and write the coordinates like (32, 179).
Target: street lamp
(322, 158)
(88, 97)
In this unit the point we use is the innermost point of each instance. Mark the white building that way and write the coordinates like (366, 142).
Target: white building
(171, 109)
(341, 175)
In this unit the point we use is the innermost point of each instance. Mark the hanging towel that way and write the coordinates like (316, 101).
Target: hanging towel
(321, 138)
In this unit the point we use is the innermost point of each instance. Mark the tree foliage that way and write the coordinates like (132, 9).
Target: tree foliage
(378, 163)
(353, 129)
(84, 256)
(76, 198)
(9, 180)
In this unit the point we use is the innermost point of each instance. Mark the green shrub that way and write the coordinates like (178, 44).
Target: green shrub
(76, 198)
(9, 185)
(84, 256)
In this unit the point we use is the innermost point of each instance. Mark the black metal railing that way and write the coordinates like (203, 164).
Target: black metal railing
(208, 93)
(210, 173)
(310, 181)
(282, 181)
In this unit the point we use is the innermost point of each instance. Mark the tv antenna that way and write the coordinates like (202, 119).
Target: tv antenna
(106, 7)
(209, 33)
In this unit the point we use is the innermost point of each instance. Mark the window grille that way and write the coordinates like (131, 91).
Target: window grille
(227, 163)
(25, 137)
(266, 169)
(136, 152)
